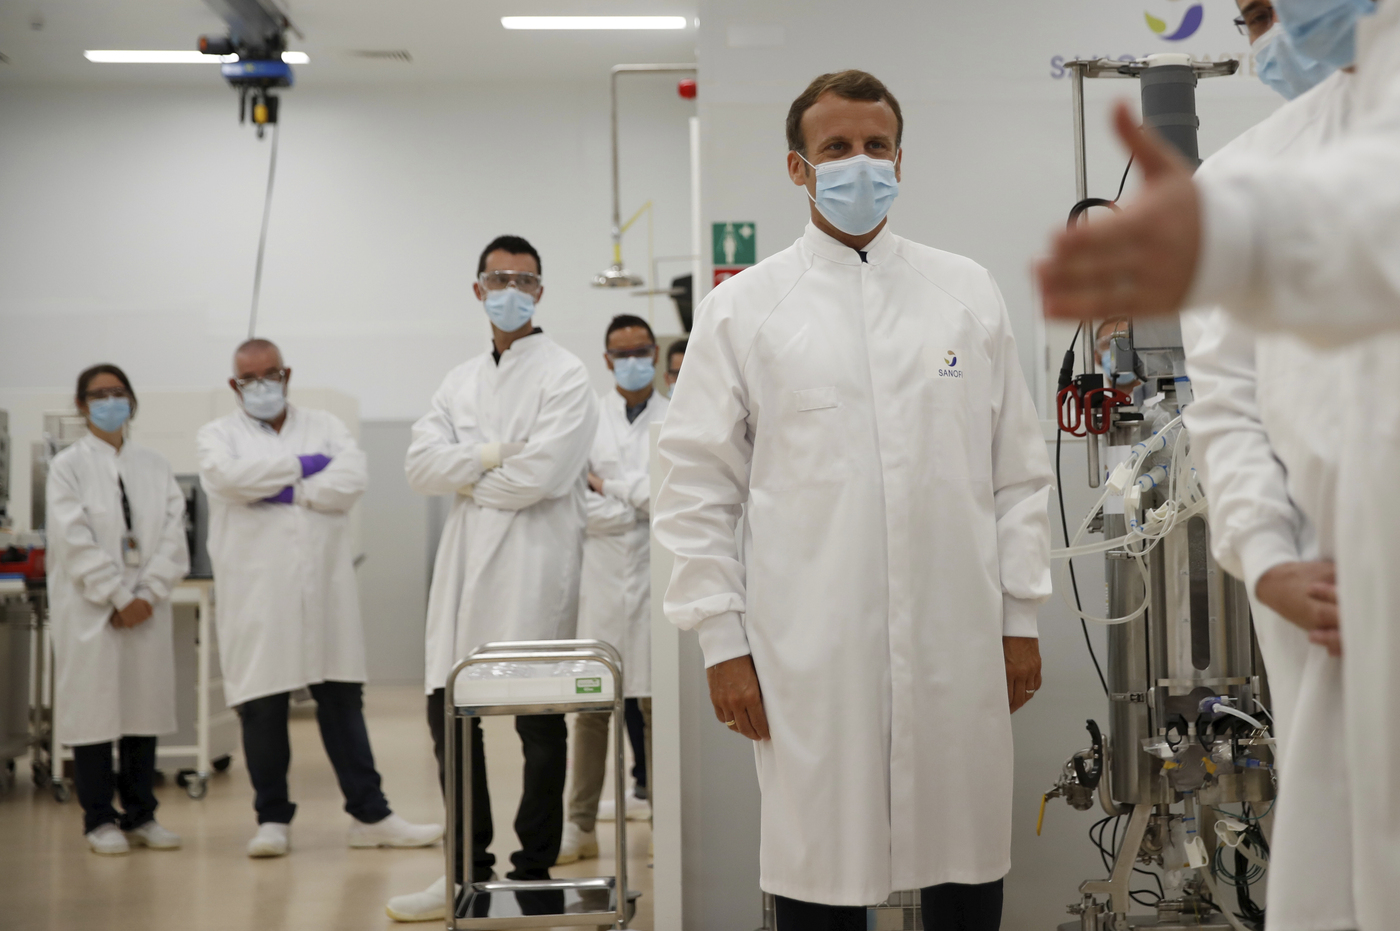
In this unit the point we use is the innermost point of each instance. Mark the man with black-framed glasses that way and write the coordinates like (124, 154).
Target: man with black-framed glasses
(507, 435)
(281, 481)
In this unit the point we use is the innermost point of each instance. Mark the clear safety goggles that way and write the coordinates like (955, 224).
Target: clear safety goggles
(102, 394)
(276, 377)
(500, 280)
(641, 352)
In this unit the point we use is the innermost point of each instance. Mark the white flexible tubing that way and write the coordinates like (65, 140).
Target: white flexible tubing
(1222, 708)
(1110, 621)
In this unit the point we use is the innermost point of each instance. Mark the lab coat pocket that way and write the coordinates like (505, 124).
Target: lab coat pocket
(808, 442)
(815, 399)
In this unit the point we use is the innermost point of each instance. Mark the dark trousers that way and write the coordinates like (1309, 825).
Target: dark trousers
(636, 735)
(134, 781)
(341, 716)
(946, 907)
(539, 821)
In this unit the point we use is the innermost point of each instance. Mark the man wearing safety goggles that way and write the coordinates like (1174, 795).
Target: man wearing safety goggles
(508, 435)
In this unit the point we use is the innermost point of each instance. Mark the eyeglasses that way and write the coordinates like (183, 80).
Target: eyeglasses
(499, 281)
(1256, 22)
(642, 352)
(102, 394)
(269, 378)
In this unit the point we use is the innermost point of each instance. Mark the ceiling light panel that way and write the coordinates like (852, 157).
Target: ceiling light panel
(593, 22)
(174, 57)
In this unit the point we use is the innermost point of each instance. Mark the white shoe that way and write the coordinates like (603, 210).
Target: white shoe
(108, 840)
(152, 835)
(270, 841)
(637, 809)
(393, 831)
(428, 905)
(576, 845)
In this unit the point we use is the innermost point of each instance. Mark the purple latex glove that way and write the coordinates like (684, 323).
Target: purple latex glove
(285, 496)
(313, 463)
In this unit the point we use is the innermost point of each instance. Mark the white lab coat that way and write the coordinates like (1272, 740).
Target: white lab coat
(1312, 245)
(507, 565)
(288, 606)
(111, 682)
(614, 599)
(872, 423)
(1265, 440)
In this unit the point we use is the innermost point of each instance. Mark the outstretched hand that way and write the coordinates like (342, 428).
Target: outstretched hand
(1139, 261)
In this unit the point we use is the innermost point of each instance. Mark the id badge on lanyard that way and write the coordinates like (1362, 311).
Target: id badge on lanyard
(131, 547)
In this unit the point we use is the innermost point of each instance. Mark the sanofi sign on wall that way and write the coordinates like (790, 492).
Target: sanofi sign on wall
(1187, 26)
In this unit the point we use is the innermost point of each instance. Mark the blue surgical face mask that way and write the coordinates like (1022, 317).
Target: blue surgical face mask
(264, 400)
(109, 414)
(1281, 67)
(509, 309)
(855, 194)
(1324, 31)
(634, 374)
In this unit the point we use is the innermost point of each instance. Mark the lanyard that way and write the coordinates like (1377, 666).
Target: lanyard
(126, 505)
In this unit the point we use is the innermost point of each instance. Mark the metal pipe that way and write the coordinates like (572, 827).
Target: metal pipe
(1081, 171)
(1091, 439)
(616, 185)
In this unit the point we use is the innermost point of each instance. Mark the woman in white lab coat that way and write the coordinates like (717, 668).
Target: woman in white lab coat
(116, 550)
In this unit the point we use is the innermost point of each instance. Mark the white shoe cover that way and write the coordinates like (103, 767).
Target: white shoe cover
(576, 845)
(152, 835)
(271, 840)
(108, 840)
(393, 831)
(428, 905)
(638, 809)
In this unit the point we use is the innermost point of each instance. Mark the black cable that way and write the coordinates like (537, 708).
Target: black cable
(262, 238)
(1064, 523)
(1124, 181)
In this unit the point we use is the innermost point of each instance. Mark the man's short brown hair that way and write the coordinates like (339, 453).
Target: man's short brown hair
(852, 85)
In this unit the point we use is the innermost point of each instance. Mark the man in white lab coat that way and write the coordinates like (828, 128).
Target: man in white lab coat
(858, 397)
(281, 481)
(508, 435)
(1265, 441)
(615, 591)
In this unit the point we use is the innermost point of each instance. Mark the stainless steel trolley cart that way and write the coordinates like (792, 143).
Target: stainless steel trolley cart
(601, 902)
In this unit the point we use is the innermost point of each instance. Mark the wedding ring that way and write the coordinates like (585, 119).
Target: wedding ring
(730, 723)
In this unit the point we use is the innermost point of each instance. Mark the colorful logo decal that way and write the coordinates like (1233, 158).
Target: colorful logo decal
(951, 359)
(1189, 24)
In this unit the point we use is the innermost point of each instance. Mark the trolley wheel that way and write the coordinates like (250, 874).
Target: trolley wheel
(183, 777)
(222, 764)
(61, 791)
(196, 787)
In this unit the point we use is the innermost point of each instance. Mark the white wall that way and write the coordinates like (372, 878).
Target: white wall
(988, 151)
(131, 223)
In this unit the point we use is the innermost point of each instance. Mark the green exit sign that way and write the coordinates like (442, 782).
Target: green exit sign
(735, 244)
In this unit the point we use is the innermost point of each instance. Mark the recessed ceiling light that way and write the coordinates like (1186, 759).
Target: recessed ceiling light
(175, 57)
(593, 22)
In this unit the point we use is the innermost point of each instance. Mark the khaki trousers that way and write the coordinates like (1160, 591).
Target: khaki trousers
(590, 760)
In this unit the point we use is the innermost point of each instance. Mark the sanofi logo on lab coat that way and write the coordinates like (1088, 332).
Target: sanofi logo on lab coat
(941, 365)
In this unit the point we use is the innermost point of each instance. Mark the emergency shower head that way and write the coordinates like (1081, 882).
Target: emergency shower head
(615, 276)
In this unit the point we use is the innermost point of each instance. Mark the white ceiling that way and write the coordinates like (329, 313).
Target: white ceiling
(451, 41)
